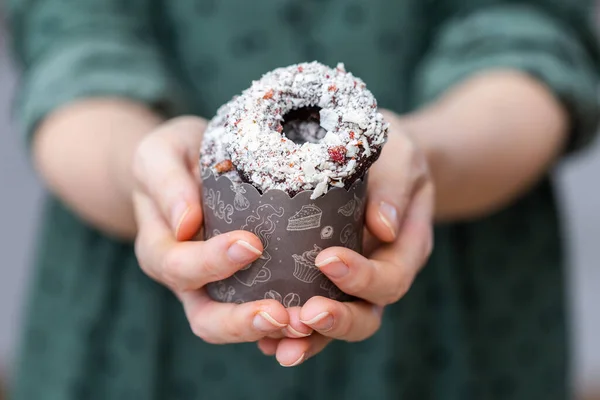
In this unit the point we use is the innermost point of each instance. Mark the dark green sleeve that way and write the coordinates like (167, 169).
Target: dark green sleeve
(69, 50)
(550, 40)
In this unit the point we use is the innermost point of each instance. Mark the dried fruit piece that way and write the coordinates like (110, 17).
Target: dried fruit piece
(337, 153)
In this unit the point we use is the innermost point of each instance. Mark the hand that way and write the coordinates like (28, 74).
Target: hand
(168, 214)
(399, 240)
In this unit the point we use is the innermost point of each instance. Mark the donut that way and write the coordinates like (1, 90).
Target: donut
(302, 127)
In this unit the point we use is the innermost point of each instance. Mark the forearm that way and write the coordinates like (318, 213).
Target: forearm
(487, 141)
(84, 152)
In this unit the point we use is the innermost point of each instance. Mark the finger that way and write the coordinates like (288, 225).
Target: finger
(389, 273)
(276, 335)
(220, 323)
(188, 265)
(268, 346)
(295, 328)
(163, 169)
(390, 194)
(293, 352)
(415, 241)
(349, 321)
(380, 282)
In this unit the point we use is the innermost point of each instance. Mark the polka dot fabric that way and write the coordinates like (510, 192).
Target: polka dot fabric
(485, 319)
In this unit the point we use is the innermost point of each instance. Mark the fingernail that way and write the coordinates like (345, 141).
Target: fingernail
(298, 361)
(178, 215)
(322, 322)
(333, 267)
(389, 216)
(291, 332)
(242, 252)
(265, 323)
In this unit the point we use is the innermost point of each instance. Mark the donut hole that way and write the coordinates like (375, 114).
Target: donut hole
(303, 125)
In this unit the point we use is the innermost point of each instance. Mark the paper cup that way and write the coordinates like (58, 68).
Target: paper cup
(292, 230)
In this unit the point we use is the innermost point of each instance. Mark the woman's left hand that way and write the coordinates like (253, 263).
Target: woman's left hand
(398, 242)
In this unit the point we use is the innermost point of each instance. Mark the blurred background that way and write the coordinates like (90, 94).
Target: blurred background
(20, 195)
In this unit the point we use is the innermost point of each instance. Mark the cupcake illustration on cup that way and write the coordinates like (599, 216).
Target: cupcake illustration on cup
(305, 269)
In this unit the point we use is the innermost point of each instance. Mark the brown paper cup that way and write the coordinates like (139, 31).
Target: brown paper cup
(292, 230)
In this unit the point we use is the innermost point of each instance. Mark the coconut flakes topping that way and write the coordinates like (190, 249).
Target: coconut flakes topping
(248, 131)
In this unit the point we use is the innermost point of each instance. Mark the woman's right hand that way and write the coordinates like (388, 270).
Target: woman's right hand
(168, 212)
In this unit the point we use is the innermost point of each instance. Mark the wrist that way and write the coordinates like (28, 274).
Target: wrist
(120, 163)
(418, 128)
(124, 144)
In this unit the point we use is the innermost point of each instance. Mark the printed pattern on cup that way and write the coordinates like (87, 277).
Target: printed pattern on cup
(349, 237)
(262, 224)
(352, 208)
(215, 232)
(286, 227)
(305, 269)
(333, 291)
(327, 232)
(224, 292)
(221, 210)
(290, 299)
(206, 173)
(309, 217)
(240, 202)
(273, 295)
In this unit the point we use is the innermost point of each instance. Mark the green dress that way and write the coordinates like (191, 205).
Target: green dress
(484, 320)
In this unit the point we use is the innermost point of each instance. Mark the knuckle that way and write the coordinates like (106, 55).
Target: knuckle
(234, 332)
(172, 269)
(169, 181)
(429, 247)
(361, 283)
(187, 122)
(347, 319)
(232, 329)
(346, 329)
(139, 160)
(399, 289)
(390, 298)
(402, 287)
(200, 331)
(140, 250)
(213, 271)
(410, 146)
(376, 325)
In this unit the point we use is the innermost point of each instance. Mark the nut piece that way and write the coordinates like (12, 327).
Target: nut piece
(224, 166)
